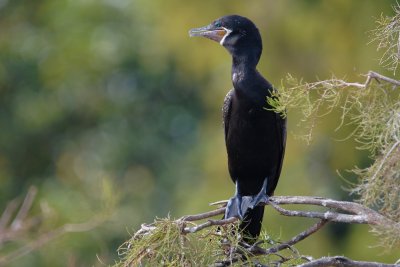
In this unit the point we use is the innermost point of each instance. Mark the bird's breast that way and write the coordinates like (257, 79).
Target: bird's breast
(251, 141)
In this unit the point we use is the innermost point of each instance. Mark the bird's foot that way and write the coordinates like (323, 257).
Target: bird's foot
(233, 208)
(239, 205)
(258, 199)
(261, 197)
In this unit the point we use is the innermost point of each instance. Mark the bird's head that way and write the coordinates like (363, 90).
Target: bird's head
(237, 34)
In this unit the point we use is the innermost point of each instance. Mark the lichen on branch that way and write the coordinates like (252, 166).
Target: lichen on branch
(373, 109)
(387, 37)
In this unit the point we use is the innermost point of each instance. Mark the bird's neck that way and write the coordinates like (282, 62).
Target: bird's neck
(245, 61)
(247, 81)
(243, 68)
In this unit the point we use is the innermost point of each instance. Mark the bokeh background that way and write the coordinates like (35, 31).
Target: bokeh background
(108, 104)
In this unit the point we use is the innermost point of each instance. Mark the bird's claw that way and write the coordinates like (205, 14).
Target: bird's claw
(261, 197)
(234, 208)
(239, 205)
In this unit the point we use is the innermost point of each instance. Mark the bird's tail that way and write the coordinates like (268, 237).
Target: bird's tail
(249, 210)
(251, 224)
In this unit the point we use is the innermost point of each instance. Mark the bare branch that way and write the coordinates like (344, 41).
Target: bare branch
(26, 206)
(346, 212)
(339, 211)
(375, 75)
(340, 261)
(301, 236)
(334, 82)
(14, 229)
(355, 213)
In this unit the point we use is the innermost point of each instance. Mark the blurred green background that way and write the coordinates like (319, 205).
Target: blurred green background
(110, 101)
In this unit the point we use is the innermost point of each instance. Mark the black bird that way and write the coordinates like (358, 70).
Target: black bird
(255, 136)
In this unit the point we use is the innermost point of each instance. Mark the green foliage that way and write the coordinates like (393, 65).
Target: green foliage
(162, 243)
(165, 245)
(88, 121)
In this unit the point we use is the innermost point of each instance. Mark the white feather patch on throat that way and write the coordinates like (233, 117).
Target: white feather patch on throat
(226, 35)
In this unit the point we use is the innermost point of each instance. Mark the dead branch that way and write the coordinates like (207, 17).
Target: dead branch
(346, 212)
(340, 261)
(49, 236)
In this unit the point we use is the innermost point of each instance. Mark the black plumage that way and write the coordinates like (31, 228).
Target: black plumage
(255, 136)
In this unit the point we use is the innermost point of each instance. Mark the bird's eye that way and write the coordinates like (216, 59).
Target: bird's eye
(217, 24)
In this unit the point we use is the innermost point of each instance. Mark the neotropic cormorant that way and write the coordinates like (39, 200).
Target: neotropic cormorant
(255, 136)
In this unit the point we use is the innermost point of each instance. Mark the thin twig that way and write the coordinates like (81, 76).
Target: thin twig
(344, 84)
(8, 213)
(303, 235)
(373, 74)
(208, 224)
(25, 207)
(384, 160)
(202, 216)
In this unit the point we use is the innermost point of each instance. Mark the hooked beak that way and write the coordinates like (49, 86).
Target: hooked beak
(210, 32)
